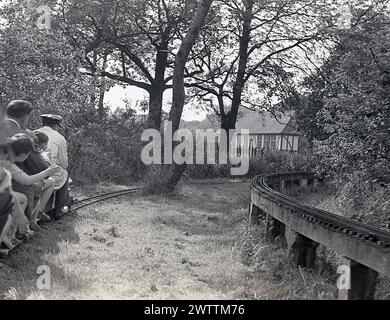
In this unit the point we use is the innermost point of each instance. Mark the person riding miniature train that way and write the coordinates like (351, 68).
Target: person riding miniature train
(54, 149)
(13, 204)
(16, 121)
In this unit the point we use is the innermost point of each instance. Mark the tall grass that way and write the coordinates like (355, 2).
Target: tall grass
(339, 199)
(269, 162)
(272, 263)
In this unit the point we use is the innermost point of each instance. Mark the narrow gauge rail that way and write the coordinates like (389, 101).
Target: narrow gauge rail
(364, 232)
(79, 204)
(83, 203)
(363, 249)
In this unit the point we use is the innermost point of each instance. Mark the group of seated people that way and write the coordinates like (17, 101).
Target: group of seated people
(33, 173)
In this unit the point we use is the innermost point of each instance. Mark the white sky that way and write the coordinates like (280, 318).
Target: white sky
(115, 97)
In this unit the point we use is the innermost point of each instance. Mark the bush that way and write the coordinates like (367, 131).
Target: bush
(155, 178)
(106, 150)
(360, 199)
(276, 161)
(270, 162)
(204, 171)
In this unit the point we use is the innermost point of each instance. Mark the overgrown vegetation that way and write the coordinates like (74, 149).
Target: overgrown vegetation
(346, 117)
(274, 264)
(108, 149)
(269, 162)
(327, 197)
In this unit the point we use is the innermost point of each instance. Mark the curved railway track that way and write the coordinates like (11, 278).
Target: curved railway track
(334, 222)
(364, 250)
(83, 203)
(79, 204)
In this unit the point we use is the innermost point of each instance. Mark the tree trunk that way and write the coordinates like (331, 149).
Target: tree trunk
(94, 82)
(155, 107)
(229, 120)
(227, 124)
(181, 60)
(178, 78)
(102, 91)
(158, 86)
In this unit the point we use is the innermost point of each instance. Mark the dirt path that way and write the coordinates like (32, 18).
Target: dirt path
(181, 247)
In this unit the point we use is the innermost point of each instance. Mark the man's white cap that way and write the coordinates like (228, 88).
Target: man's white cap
(54, 117)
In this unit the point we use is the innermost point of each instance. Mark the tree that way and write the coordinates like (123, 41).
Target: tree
(137, 36)
(39, 65)
(352, 106)
(251, 45)
(179, 74)
(181, 60)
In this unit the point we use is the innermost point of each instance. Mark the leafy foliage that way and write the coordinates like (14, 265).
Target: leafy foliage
(346, 116)
(351, 105)
(41, 66)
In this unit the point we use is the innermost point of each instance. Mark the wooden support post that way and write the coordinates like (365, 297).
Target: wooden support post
(282, 186)
(255, 214)
(275, 231)
(302, 250)
(356, 281)
(310, 184)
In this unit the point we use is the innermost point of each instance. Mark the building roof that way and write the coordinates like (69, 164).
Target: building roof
(265, 123)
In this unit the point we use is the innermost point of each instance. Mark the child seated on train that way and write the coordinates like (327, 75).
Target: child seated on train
(12, 204)
(20, 147)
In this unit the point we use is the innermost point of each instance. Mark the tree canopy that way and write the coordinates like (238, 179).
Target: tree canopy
(346, 115)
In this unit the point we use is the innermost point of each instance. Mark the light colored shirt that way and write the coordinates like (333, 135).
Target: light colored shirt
(5, 180)
(57, 147)
(60, 177)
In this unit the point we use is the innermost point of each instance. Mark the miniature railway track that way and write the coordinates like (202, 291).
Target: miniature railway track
(335, 222)
(301, 228)
(80, 204)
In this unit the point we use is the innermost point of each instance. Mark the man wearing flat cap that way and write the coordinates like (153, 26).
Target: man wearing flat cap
(58, 150)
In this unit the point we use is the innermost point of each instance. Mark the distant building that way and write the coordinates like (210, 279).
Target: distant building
(268, 132)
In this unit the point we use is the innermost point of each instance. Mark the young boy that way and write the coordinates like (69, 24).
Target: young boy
(20, 147)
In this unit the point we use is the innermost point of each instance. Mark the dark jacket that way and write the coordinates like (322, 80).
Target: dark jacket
(34, 163)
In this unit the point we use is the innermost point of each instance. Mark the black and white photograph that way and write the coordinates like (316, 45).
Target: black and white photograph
(219, 153)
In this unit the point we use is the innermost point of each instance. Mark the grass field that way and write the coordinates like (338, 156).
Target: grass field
(195, 244)
(138, 247)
